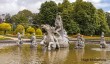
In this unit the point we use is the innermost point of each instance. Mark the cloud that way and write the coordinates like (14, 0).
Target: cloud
(34, 7)
(8, 7)
(93, 1)
(6, 1)
(108, 11)
(14, 6)
(104, 4)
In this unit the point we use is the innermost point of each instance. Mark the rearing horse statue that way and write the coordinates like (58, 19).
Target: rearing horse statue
(55, 37)
(49, 39)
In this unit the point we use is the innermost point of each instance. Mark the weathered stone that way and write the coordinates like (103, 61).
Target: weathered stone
(55, 37)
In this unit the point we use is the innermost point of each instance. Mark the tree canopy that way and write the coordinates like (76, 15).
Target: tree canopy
(22, 17)
(66, 9)
(103, 25)
(30, 30)
(78, 17)
(108, 18)
(48, 12)
(5, 27)
(19, 29)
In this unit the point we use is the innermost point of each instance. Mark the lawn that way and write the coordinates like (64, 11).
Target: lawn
(4, 38)
(92, 37)
(95, 38)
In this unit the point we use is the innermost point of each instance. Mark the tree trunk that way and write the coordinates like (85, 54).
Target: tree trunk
(5, 32)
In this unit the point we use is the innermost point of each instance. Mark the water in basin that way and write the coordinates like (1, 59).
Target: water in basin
(92, 54)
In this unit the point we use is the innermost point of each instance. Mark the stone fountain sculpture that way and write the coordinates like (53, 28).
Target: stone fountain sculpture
(80, 41)
(102, 41)
(55, 37)
(33, 40)
(19, 41)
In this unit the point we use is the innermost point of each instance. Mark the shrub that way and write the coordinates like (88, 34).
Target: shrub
(38, 32)
(5, 27)
(27, 35)
(19, 29)
(30, 30)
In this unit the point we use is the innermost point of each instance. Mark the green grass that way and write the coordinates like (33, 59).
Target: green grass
(91, 37)
(4, 38)
(96, 38)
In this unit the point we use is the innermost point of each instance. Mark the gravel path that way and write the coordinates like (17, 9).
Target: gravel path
(13, 38)
(11, 42)
(6, 44)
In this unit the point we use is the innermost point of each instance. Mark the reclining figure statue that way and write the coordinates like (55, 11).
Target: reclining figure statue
(102, 41)
(19, 41)
(80, 41)
(33, 40)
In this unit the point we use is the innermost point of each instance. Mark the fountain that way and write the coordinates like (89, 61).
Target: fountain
(80, 41)
(55, 37)
(102, 41)
(79, 54)
(33, 40)
(19, 41)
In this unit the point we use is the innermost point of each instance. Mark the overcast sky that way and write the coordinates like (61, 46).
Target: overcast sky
(13, 6)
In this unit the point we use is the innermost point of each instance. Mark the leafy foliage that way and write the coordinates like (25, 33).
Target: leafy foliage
(77, 17)
(85, 15)
(48, 12)
(38, 31)
(103, 25)
(5, 27)
(30, 30)
(108, 18)
(22, 17)
(66, 9)
(19, 29)
(72, 27)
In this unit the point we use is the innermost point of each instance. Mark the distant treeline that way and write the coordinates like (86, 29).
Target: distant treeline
(78, 17)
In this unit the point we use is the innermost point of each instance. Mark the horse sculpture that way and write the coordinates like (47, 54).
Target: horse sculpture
(55, 37)
(49, 39)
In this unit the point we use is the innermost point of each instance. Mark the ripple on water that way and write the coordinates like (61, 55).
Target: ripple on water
(102, 49)
(27, 55)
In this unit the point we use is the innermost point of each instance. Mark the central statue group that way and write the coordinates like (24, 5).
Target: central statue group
(55, 37)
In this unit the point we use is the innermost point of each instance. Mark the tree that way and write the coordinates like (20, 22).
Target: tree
(5, 27)
(30, 30)
(22, 17)
(85, 15)
(103, 25)
(19, 29)
(26, 13)
(38, 31)
(72, 27)
(48, 12)
(108, 18)
(66, 9)
(19, 19)
(8, 18)
(36, 19)
(79, 0)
